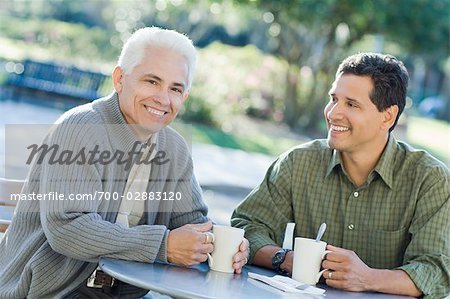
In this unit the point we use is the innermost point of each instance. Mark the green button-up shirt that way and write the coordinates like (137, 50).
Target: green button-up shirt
(399, 218)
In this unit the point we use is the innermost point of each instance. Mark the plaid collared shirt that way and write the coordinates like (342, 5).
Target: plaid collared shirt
(399, 218)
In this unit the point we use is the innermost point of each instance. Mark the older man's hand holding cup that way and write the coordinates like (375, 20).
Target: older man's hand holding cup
(226, 247)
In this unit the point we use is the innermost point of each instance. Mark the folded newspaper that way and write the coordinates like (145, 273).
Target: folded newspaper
(287, 284)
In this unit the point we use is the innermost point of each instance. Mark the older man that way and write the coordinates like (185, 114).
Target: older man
(145, 203)
(387, 205)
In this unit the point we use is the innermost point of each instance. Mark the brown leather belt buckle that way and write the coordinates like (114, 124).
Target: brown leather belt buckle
(100, 279)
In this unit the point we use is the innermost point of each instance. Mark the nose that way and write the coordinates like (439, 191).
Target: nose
(162, 98)
(333, 111)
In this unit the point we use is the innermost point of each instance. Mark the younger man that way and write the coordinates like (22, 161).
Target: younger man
(386, 205)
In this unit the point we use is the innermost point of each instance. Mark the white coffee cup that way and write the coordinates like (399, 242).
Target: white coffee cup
(308, 256)
(226, 242)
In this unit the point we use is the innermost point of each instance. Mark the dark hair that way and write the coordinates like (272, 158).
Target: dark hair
(389, 77)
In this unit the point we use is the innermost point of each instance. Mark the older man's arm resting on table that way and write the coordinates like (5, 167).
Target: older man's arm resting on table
(187, 244)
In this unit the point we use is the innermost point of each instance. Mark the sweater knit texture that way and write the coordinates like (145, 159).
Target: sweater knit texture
(52, 246)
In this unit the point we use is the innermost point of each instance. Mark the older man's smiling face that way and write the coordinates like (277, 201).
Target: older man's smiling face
(152, 93)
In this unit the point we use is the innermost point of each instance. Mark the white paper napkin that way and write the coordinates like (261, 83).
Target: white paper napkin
(288, 235)
(287, 284)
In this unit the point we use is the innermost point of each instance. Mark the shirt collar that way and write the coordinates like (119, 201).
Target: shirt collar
(334, 161)
(384, 167)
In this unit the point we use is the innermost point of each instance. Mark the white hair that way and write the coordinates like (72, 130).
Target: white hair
(134, 49)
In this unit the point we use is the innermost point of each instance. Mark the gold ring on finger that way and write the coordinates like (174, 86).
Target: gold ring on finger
(209, 238)
(206, 238)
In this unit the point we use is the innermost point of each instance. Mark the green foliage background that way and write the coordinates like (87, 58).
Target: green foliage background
(280, 58)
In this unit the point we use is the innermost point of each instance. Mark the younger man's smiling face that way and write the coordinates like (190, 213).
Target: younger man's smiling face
(354, 122)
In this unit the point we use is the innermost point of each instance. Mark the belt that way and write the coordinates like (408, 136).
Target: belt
(100, 279)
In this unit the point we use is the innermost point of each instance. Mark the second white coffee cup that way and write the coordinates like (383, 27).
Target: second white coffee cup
(308, 256)
(226, 244)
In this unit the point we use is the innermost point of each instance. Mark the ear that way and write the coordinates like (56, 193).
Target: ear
(389, 116)
(185, 95)
(117, 77)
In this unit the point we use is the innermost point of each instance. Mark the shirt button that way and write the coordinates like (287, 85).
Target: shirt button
(351, 226)
(356, 194)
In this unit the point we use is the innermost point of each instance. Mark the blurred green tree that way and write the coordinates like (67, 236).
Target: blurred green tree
(313, 36)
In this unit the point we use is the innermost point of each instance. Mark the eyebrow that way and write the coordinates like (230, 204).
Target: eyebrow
(348, 99)
(155, 77)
